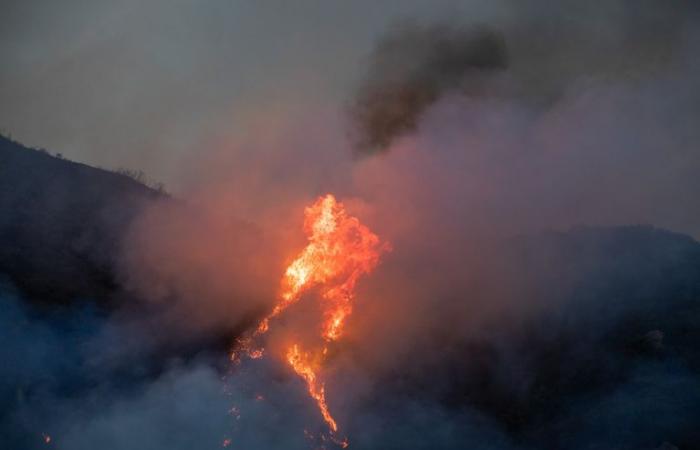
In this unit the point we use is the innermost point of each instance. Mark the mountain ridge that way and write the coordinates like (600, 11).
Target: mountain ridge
(61, 223)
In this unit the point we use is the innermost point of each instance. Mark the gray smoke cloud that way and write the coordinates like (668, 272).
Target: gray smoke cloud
(83, 378)
(575, 351)
(535, 55)
(412, 67)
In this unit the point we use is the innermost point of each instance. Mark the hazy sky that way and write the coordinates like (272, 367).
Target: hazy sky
(598, 100)
(139, 84)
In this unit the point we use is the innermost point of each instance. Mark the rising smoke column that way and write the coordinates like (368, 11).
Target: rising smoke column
(411, 68)
(535, 56)
(340, 250)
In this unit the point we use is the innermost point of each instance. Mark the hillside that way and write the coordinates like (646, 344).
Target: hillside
(61, 223)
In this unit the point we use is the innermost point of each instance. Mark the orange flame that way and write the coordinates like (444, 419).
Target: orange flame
(340, 250)
(306, 368)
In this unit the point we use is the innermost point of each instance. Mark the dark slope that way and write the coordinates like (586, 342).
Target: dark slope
(60, 224)
(608, 358)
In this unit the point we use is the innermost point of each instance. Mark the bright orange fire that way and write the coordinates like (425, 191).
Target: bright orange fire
(306, 367)
(340, 250)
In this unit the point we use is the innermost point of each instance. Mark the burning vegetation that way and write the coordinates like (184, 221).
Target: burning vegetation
(340, 250)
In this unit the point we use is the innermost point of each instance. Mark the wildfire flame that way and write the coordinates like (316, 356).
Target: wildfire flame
(305, 367)
(340, 250)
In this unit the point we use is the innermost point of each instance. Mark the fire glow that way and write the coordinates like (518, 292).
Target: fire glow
(339, 251)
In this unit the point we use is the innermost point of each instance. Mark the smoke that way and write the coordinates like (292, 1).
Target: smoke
(467, 332)
(495, 322)
(555, 339)
(212, 260)
(83, 379)
(412, 67)
(533, 54)
(86, 379)
(203, 270)
(576, 350)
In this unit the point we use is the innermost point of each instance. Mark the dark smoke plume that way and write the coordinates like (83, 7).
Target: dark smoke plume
(535, 57)
(412, 67)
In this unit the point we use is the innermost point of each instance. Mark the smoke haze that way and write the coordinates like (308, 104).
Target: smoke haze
(523, 159)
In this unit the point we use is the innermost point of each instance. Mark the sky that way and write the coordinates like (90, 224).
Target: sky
(586, 116)
(141, 84)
